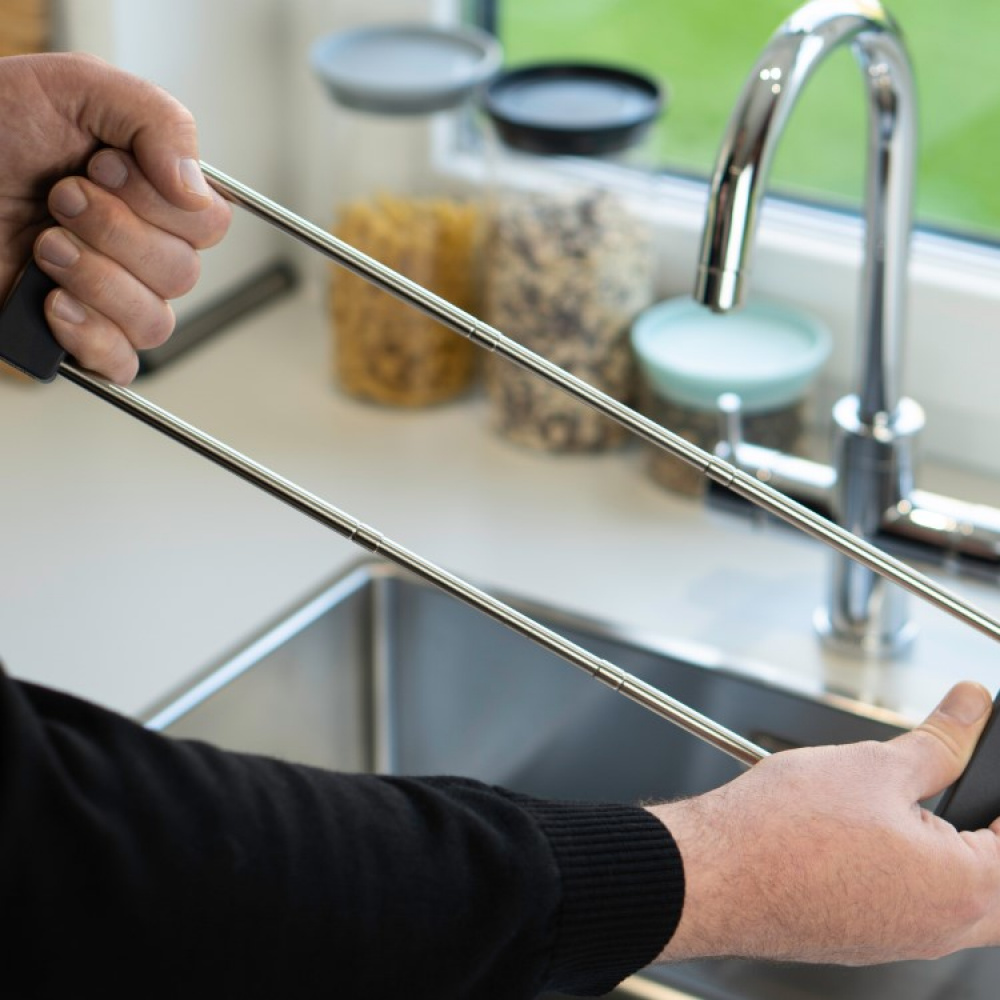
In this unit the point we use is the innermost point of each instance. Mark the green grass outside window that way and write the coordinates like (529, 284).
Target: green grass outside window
(702, 50)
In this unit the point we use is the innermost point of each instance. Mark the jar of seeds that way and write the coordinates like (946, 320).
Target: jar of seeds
(395, 86)
(567, 264)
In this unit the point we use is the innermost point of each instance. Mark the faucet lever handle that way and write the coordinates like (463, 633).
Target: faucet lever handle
(730, 410)
(973, 802)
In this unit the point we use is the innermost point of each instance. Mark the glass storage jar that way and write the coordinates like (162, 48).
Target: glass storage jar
(393, 86)
(764, 355)
(567, 263)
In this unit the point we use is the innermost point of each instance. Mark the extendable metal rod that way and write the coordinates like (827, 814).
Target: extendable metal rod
(486, 336)
(350, 528)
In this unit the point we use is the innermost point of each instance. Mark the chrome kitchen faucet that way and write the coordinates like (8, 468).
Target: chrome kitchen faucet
(869, 488)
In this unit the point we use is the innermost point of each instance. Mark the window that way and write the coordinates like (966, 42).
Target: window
(702, 51)
(806, 254)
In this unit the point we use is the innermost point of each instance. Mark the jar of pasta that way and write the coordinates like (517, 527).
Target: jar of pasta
(568, 262)
(399, 93)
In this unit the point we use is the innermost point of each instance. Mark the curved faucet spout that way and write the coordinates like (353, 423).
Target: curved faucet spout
(798, 47)
(874, 427)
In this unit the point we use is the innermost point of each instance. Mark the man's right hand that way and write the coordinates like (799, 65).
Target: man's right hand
(128, 230)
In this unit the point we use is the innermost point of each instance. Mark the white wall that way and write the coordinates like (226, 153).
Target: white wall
(241, 66)
(218, 58)
(323, 136)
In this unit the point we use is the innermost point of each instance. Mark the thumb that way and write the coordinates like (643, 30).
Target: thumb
(939, 749)
(130, 113)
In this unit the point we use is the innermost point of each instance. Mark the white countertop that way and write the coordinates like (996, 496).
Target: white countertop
(130, 564)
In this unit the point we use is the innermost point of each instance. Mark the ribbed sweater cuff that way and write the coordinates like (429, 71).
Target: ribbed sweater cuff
(622, 891)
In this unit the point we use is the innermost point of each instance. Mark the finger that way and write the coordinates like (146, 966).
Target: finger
(938, 750)
(104, 287)
(127, 112)
(92, 339)
(160, 260)
(118, 173)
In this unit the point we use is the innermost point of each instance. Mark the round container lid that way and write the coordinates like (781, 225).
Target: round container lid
(766, 353)
(405, 69)
(574, 109)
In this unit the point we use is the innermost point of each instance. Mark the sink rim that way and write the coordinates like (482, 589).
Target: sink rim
(368, 571)
(366, 578)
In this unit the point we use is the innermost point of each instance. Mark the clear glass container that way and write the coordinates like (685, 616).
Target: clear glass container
(385, 350)
(760, 359)
(567, 263)
(393, 86)
(780, 429)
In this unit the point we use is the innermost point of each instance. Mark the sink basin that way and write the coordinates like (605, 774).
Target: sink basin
(380, 671)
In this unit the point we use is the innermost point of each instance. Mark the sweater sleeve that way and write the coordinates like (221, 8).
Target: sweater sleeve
(138, 865)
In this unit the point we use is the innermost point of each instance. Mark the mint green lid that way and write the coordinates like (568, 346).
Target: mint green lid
(767, 353)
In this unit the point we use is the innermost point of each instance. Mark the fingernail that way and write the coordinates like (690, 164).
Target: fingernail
(67, 308)
(108, 169)
(57, 248)
(966, 703)
(68, 199)
(193, 179)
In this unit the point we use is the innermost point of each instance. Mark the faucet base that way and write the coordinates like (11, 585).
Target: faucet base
(865, 614)
(864, 644)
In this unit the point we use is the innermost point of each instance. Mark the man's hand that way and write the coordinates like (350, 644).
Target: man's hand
(130, 220)
(825, 855)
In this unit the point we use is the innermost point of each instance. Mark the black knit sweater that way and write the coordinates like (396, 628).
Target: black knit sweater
(133, 865)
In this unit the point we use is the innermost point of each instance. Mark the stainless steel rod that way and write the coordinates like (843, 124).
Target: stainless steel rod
(709, 465)
(350, 528)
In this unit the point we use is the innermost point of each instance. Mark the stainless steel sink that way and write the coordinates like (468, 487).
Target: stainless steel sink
(380, 671)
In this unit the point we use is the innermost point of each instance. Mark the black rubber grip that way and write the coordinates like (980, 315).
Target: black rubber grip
(973, 802)
(26, 342)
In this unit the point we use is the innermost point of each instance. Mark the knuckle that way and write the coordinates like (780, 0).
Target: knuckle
(180, 276)
(978, 904)
(933, 733)
(86, 61)
(964, 917)
(872, 752)
(102, 348)
(156, 330)
(179, 121)
(148, 323)
(213, 224)
(867, 757)
(121, 362)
